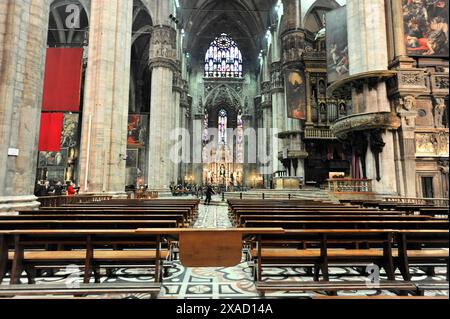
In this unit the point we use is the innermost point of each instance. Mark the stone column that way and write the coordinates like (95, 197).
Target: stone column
(309, 121)
(279, 113)
(367, 36)
(162, 109)
(106, 98)
(23, 42)
(406, 111)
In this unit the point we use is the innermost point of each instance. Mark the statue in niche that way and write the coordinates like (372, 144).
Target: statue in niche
(441, 146)
(439, 111)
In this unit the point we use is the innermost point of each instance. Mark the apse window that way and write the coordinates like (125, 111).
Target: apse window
(223, 59)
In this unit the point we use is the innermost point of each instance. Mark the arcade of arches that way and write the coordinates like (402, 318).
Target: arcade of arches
(255, 72)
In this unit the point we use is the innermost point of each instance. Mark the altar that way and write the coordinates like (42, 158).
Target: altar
(288, 183)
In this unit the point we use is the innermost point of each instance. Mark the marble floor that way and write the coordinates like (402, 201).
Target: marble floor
(223, 283)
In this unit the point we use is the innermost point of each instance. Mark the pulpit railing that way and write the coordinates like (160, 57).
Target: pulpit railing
(350, 185)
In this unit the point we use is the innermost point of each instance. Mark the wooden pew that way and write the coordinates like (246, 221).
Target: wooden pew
(332, 249)
(350, 224)
(422, 248)
(243, 218)
(151, 288)
(85, 224)
(224, 249)
(188, 217)
(90, 249)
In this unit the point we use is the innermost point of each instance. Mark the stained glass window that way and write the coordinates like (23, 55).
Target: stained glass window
(223, 59)
(223, 122)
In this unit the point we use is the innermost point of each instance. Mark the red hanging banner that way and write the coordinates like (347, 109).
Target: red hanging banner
(62, 82)
(50, 132)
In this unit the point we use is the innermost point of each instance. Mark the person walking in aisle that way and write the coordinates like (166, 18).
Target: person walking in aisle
(209, 193)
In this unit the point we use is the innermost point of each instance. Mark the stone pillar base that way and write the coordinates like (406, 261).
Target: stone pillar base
(9, 204)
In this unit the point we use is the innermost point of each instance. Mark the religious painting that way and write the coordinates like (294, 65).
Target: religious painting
(52, 158)
(426, 27)
(132, 158)
(338, 65)
(69, 133)
(137, 130)
(56, 174)
(296, 94)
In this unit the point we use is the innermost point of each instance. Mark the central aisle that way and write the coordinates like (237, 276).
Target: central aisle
(214, 215)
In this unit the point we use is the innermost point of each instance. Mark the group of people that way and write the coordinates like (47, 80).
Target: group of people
(55, 188)
(195, 190)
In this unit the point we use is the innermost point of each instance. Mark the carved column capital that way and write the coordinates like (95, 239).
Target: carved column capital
(277, 80)
(163, 47)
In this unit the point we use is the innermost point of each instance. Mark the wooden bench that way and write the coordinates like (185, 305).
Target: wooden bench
(332, 286)
(243, 218)
(224, 249)
(91, 249)
(422, 248)
(427, 286)
(350, 224)
(81, 289)
(387, 250)
(85, 224)
(188, 215)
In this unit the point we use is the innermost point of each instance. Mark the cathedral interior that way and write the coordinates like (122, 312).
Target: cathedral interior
(151, 148)
(262, 94)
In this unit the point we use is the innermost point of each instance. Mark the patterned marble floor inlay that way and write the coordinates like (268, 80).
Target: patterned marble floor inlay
(225, 283)
(214, 215)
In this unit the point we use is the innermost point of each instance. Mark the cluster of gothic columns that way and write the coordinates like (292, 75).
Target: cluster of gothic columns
(23, 43)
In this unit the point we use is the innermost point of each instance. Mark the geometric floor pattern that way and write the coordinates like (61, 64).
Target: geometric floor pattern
(223, 283)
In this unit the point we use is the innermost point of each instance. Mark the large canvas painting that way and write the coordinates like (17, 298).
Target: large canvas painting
(52, 158)
(132, 158)
(296, 94)
(338, 64)
(69, 134)
(137, 130)
(426, 27)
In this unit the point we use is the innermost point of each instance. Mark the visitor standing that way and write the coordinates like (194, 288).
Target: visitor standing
(209, 193)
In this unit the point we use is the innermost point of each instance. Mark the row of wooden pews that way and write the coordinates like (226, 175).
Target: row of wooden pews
(425, 208)
(94, 236)
(319, 235)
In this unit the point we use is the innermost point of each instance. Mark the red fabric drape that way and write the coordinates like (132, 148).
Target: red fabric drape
(50, 132)
(62, 82)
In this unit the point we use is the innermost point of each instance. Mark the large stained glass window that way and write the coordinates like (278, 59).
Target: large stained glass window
(223, 123)
(223, 59)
